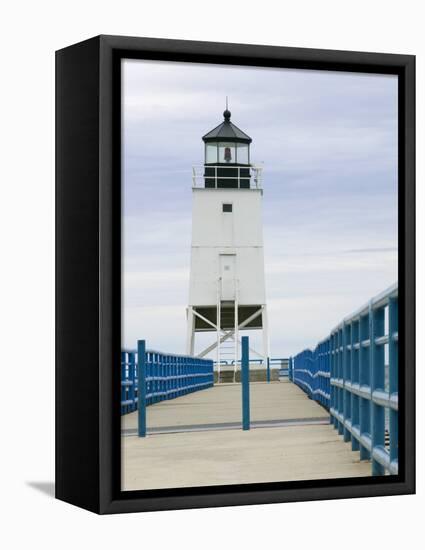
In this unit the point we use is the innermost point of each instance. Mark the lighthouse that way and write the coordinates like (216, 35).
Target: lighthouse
(227, 285)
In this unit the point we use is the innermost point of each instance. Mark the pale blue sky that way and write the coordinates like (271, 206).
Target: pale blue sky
(328, 141)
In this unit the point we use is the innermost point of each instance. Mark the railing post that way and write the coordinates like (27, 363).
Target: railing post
(346, 378)
(245, 383)
(340, 357)
(328, 370)
(332, 389)
(123, 387)
(364, 377)
(377, 357)
(141, 392)
(355, 352)
(393, 374)
(132, 378)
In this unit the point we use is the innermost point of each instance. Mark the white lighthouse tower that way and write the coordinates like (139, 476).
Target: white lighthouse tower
(227, 287)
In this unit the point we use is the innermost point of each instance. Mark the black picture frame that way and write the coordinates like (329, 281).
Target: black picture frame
(88, 272)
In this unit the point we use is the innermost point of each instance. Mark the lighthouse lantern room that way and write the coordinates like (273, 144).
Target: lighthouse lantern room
(227, 286)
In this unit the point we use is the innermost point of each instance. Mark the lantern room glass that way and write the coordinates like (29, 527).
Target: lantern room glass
(242, 153)
(227, 153)
(211, 153)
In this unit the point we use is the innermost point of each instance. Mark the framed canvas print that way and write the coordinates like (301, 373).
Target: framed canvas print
(235, 274)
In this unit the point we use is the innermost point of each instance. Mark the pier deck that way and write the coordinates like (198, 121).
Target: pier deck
(196, 440)
(220, 406)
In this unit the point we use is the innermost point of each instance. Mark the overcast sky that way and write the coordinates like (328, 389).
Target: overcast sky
(328, 142)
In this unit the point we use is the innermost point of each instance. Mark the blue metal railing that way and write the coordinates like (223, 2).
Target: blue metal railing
(273, 361)
(167, 377)
(311, 371)
(280, 363)
(360, 360)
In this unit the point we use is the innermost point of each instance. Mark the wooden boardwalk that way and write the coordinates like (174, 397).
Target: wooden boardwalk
(189, 444)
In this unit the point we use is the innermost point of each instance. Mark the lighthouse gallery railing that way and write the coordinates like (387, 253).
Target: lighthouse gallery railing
(254, 175)
(354, 374)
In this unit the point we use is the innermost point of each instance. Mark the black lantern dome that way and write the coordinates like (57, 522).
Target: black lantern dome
(227, 159)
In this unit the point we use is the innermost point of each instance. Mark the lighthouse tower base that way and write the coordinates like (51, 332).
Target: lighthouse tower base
(226, 322)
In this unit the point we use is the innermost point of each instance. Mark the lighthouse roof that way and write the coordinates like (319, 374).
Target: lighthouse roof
(227, 131)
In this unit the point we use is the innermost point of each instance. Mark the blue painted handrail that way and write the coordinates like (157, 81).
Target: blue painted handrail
(273, 361)
(354, 374)
(167, 376)
(311, 371)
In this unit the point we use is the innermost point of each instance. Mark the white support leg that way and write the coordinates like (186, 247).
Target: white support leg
(190, 342)
(236, 337)
(218, 329)
(266, 350)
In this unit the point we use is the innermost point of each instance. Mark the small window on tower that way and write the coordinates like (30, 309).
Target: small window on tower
(227, 207)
